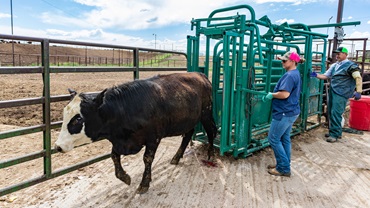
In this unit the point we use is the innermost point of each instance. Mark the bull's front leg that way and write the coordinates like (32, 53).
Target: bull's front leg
(120, 173)
(180, 152)
(147, 175)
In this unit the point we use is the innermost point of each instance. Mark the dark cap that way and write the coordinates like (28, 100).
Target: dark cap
(341, 50)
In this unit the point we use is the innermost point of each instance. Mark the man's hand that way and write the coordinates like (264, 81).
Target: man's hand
(313, 74)
(357, 95)
(267, 97)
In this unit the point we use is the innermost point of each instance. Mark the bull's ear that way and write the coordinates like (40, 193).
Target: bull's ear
(72, 92)
(99, 98)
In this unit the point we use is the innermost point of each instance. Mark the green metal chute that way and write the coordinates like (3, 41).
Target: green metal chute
(242, 65)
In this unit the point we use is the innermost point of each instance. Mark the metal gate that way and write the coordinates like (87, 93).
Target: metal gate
(245, 68)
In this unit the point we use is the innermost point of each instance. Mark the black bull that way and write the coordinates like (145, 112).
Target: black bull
(141, 113)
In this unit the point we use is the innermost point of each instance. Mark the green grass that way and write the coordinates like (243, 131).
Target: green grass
(160, 60)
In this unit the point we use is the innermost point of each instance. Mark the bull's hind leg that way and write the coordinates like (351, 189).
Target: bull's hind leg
(120, 173)
(209, 125)
(180, 152)
(149, 153)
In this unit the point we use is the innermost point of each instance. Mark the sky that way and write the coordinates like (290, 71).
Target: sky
(161, 24)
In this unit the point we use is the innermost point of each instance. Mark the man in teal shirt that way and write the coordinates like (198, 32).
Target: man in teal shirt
(345, 78)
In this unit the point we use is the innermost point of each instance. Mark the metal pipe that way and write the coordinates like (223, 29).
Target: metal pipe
(340, 11)
(339, 20)
(327, 30)
(11, 22)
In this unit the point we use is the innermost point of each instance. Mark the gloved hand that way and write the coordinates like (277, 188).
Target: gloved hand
(357, 95)
(267, 97)
(313, 74)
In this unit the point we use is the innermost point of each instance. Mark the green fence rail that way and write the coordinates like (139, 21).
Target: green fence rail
(45, 69)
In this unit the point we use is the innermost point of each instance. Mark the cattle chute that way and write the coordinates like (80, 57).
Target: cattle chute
(241, 61)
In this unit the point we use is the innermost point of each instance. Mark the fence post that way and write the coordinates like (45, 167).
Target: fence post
(45, 51)
(136, 63)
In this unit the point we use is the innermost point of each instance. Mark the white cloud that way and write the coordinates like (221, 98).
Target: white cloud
(100, 36)
(95, 35)
(275, 1)
(358, 45)
(295, 2)
(281, 21)
(368, 22)
(59, 19)
(143, 14)
(76, 35)
(358, 34)
(135, 15)
(350, 17)
(3, 15)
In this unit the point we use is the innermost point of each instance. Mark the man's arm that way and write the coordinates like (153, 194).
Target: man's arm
(281, 94)
(278, 95)
(322, 76)
(354, 70)
(357, 76)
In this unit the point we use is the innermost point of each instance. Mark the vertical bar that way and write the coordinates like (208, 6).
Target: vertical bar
(206, 64)
(234, 57)
(196, 54)
(239, 108)
(305, 94)
(45, 52)
(340, 11)
(339, 20)
(363, 57)
(190, 55)
(11, 21)
(136, 63)
(327, 64)
(226, 123)
(193, 53)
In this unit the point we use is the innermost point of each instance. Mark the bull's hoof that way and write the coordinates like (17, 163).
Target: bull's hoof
(142, 190)
(211, 153)
(175, 161)
(125, 178)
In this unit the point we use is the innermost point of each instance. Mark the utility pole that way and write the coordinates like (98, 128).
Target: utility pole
(155, 41)
(11, 22)
(338, 31)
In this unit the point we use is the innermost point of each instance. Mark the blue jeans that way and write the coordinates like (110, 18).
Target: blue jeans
(279, 138)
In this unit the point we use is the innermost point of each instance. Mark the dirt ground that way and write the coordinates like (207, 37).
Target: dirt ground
(323, 174)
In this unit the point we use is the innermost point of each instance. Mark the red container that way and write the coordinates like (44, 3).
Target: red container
(359, 114)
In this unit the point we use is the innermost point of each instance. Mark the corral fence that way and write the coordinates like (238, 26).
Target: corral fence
(46, 69)
(28, 53)
(87, 60)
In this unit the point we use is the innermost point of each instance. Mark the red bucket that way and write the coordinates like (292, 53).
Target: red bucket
(359, 114)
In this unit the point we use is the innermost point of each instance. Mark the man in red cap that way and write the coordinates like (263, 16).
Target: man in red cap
(345, 78)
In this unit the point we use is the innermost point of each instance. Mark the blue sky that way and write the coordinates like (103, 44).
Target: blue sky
(133, 22)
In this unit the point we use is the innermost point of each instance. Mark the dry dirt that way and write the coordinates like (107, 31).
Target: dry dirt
(323, 174)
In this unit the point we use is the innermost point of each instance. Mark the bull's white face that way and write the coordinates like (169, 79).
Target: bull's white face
(73, 128)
